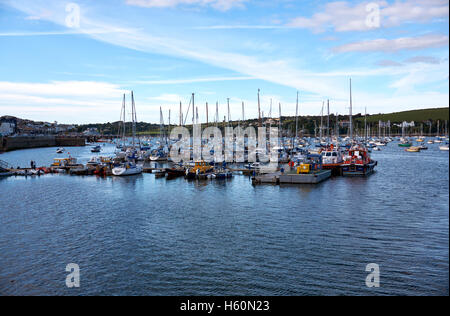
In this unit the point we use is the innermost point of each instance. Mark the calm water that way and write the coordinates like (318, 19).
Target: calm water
(147, 236)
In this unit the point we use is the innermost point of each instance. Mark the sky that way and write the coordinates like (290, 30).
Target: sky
(72, 61)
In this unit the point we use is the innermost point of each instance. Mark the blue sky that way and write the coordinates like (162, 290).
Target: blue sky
(59, 65)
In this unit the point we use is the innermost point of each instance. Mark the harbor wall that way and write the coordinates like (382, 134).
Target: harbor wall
(24, 142)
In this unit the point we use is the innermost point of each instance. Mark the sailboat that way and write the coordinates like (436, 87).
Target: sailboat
(129, 167)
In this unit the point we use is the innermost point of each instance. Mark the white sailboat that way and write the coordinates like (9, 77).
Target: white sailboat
(129, 167)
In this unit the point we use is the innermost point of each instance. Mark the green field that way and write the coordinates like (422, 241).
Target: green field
(441, 114)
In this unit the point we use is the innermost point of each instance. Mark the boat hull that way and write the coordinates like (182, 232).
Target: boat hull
(122, 171)
(356, 170)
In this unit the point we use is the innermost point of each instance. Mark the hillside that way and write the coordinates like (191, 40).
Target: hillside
(441, 114)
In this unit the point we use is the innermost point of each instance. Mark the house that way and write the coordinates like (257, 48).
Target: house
(8, 126)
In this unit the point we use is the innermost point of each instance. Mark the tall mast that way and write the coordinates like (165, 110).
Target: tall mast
(207, 114)
(270, 114)
(133, 116)
(193, 111)
(351, 114)
(315, 129)
(259, 111)
(279, 123)
(365, 125)
(228, 103)
(168, 131)
(328, 119)
(161, 123)
(296, 117)
(217, 113)
(124, 120)
(181, 115)
(337, 129)
(243, 113)
(321, 123)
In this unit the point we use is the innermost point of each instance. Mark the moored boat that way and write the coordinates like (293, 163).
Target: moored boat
(332, 157)
(358, 162)
(127, 169)
(413, 149)
(405, 144)
(200, 169)
(96, 149)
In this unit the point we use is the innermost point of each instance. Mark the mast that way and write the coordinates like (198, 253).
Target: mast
(279, 123)
(365, 126)
(328, 119)
(337, 129)
(168, 131)
(315, 129)
(161, 128)
(124, 120)
(243, 113)
(133, 116)
(207, 114)
(181, 115)
(193, 111)
(217, 112)
(351, 114)
(228, 103)
(259, 111)
(296, 118)
(321, 123)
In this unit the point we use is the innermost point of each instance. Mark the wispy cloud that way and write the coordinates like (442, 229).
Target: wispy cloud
(193, 80)
(343, 16)
(63, 32)
(392, 45)
(222, 5)
(423, 59)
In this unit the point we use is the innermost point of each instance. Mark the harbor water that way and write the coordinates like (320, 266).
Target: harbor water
(141, 235)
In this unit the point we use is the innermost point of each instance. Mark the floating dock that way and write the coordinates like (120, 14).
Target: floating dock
(293, 178)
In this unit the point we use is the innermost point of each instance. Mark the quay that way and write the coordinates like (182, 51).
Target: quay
(25, 142)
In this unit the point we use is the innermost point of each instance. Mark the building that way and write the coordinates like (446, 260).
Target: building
(8, 126)
(91, 132)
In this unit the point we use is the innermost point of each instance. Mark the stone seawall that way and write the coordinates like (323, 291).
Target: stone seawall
(24, 142)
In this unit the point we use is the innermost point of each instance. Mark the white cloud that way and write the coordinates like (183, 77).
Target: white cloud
(68, 101)
(222, 5)
(342, 16)
(423, 59)
(86, 89)
(392, 45)
(193, 80)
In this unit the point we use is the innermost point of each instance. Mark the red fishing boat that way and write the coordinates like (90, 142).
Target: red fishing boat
(358, 162)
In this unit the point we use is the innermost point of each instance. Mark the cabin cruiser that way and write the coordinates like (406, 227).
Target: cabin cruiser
(94, 162)
(332, 157)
